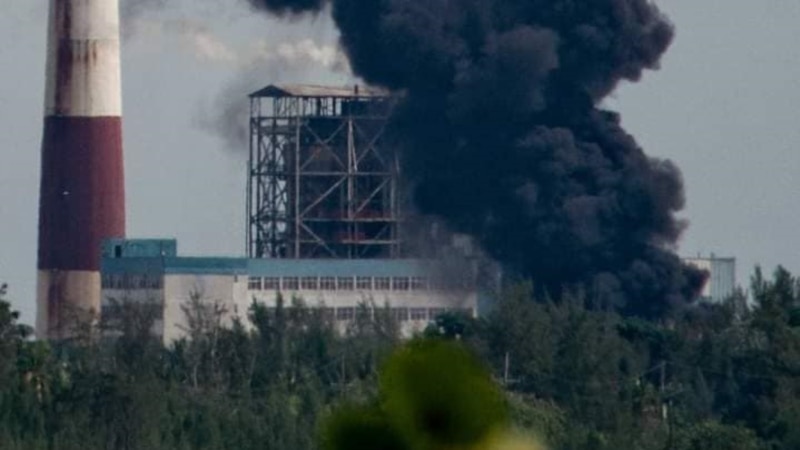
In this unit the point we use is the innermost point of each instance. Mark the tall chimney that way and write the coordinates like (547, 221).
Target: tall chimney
(82, 197)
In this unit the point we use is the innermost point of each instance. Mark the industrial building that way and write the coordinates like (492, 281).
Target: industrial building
(321, 183)
(324, 209)
(324, 218)
(150, 272)
(721, 282)
(325, 212)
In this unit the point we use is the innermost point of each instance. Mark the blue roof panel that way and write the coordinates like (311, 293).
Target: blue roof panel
(132, 265)
(267, 267)
(160, 256)
(205, 266)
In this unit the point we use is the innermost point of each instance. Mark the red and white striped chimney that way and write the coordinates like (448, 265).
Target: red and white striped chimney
(82, 197)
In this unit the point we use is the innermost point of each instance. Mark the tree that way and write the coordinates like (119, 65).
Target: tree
(203, 318)
(716, 436)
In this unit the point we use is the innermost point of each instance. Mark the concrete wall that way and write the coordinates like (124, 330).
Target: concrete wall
(232, 295)
(213, 292)
(116, 297)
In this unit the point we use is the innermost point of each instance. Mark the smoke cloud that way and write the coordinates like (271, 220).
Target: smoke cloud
(503, 136)
(189, 23)
(132, 11)
(227, 116)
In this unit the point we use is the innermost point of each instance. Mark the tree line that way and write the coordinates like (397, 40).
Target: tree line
(706, 376)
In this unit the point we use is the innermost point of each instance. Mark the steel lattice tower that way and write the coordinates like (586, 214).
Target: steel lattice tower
(321, 183)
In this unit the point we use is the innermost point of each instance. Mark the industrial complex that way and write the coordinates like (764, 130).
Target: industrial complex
(323, 203)
(324, 214)
(150, 272)
(325, 207)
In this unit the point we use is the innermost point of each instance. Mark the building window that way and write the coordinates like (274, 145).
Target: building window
(400, 314)
(291, 283)
(272, 284)
(309, 283)
(401, 283)
(364, 283)
(382, 283)
(344, 283)
(328, 313)
(254, 283)
(131, 282)
(435, 312)
(347, 313)
(419, 283)
(419, 314)
(327, 283)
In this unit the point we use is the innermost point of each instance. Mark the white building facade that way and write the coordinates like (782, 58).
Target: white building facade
(721, 282)
(150, 272)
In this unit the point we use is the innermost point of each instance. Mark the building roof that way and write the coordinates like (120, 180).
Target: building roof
(159, 257)
(267, 267)
(311, 90)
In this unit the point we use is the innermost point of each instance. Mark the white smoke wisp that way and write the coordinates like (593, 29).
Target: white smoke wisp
(196, 38)
(208, 47)
(252, 64)
(204, 45)
(302, 54)
(307, 51)
(132, 14)
(256, 65)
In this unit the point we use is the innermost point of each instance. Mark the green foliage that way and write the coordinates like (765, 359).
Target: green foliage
(713, 377)
(433, 394)
(438, 393)
(716, 436)
(361, 428)
(544, 418)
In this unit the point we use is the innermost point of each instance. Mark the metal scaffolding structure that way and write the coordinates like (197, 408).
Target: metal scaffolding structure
(321, 184)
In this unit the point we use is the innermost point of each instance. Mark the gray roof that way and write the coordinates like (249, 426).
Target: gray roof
(311, 90)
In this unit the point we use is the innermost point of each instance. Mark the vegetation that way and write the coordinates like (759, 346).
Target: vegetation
(712, 377)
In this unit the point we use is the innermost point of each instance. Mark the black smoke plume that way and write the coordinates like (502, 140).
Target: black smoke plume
(503, 137)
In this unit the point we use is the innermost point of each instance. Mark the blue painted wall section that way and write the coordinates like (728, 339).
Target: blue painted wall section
(159, 256)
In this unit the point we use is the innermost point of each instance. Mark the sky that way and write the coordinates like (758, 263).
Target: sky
(723, 107)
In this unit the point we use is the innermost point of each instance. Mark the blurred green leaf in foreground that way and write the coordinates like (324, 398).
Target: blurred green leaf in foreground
(433, 395)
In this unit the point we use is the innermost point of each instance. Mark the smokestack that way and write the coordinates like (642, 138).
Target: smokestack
(82, 200)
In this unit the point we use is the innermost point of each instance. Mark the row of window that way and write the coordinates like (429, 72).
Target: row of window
(132, 282)
(338, 283)
(348, 313)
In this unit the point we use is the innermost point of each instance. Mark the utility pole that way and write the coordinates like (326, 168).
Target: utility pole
(663, 380)
(506, 364)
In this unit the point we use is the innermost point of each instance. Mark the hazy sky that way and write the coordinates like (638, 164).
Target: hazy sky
(723, 107)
